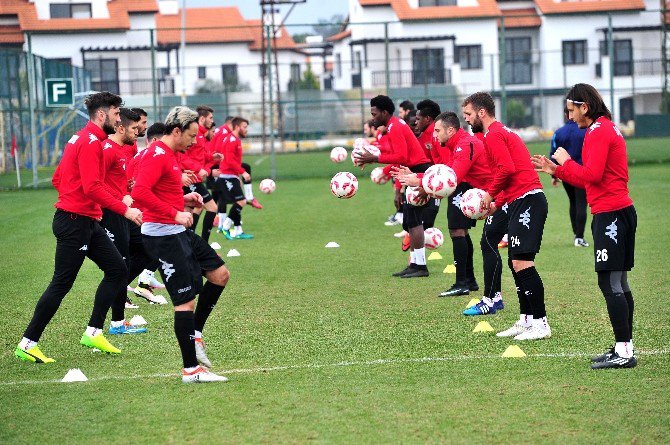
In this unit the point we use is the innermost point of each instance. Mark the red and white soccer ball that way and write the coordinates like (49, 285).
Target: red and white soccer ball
(433, 238)
(414, 196)
(344, 185)
(361, 149)
(360, 142)
(267, 186)
(439, 181)
(471, 203)
(378, 177)
(338, 154)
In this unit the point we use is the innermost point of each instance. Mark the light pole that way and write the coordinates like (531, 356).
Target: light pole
(183, 52)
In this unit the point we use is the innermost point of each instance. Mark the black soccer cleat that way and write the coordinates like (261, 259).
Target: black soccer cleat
(456, 290)
(406, 270)
(615, 361)
(602, 357)
(473, 286)
(416, 273)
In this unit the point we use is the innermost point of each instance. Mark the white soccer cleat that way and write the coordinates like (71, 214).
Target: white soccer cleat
(201, 375)
(200, 353)
(516, 329)
(535, 333)
(144, 291)
(400, 234)
(150, 279)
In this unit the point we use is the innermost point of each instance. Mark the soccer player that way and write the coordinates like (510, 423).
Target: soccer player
(516, 183)
(424, 125)
(571, 138)
(230, 171)
(401, 147)
(81, 194)
(114, 155)
(183, 255)
(604, 175)
(405, 107)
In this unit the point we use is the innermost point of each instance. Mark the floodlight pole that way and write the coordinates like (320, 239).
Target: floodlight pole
(610, 54)
(32, 99)
(273, 167)
(154, 84)
(183, 53)
(503, 80)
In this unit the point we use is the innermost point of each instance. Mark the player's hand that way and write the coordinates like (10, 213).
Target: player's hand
(134, 215)
(411, 179)
(127, 200)
(193, 199)
(216, 172)
(184, 218)
(423, 194)
(488, 203)
(246, 176)
(555, 181)
(365, 157)
(400, 171)
(203, 174)
(131, 184)
(186, 179)
(381, 129)
(543, 164)
(561, 155)
(217, 157)
(397, 200)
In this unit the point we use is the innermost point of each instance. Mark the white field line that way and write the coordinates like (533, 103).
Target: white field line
(260, 160)
(391, 361)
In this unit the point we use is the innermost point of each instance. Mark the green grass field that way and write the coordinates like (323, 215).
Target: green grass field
(323, 346)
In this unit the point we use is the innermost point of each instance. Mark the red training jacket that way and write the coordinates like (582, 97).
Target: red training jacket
(469, 160)
(232, 156)
(403, 146)
(197, 156)
(114, 159)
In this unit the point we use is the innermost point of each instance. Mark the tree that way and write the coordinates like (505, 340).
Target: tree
(309, 80)
(328, 27)
(516, 113)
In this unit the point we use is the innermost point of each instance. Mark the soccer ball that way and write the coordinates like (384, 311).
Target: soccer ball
(414, 197)
(471, 203)
(378, 177)
(361, 149)
(433, 238)
(360, 142)
(439, 181)
(267, 186)
(344, 185)
(338, 154)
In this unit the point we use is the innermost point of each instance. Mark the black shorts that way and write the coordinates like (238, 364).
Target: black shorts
(412, 216)
(527, 216)
(614, 239)
(117, 229)
(498, 222)
(430, 213)
(455, 217)
(184, 258)
(199, 188)
(230, 189)
(135, 233)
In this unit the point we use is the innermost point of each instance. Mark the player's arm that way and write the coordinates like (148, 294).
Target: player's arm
(151, 171)
(591, 172)
(90, 159)
(503, 162)
(462, 161)
(398, 149)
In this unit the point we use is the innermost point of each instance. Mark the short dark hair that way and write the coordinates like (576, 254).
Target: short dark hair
(481, 100)
(428, 108)
(228, 119)
(407, 105)
(583, 93)
(180, 117)
(410, 114)
(128, 116)
(204, 110)
(96, 101)
(237, 121)
(382, 102)
(140, 111)
(449, 119)
(156, 129)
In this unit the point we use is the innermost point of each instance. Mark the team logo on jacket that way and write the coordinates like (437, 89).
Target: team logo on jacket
(158, 151)
(92, 138)
(73, 139)
(106, 146)
(617, 131)
(458, 149)
(594, 126)
(612, 231)
(524, 218)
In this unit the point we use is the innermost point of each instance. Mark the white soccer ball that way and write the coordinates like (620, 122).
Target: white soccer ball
(360, 142)
(439, 181)
(414, 196)
(344, 185)
(267, 186)
(378, 177)
(471, 203)
(361, 149)
(338, 154)
(433, 238)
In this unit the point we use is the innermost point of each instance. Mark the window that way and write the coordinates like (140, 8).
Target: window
(202, 72)
(423, 3)
(338, 65)
(518, 67)
(229, 76)
(469, 57)
(261, 70)
(623, 56)
(626, 109)
(428, 66)
(295, 72)
(357, 61)
(574, 52)
(58, 67)
(104, 74)
(70, 11)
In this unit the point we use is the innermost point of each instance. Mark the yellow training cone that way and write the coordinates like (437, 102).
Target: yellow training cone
(472, 303)
(484, 326)
(450, 269)
(513, 351)
(434, 256)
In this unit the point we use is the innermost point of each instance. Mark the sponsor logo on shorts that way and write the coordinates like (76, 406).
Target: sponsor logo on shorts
(109, 234)
(168, 269)
(229, 185)
(612, 231)
(456, 200)
(84, 247)
(524, 218)
(185, 289)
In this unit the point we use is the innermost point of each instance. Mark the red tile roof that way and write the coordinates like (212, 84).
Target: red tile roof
(284, 41)
(521, 18)
(581, 6)
(339, 36)
(169, 26)
(486, 8)
(11, 34)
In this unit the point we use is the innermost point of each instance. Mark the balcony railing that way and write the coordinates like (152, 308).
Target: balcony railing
(408, 78)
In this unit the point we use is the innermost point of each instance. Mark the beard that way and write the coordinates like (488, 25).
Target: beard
(477, 125)
(141, 135)
(108, 127)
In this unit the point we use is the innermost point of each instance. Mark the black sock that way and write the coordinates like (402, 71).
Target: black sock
(207, 223)
(617, 309)
(185, 331)
(631, 307)
(524, 305)
(208, 298)
(492, 263)
(460, 247)
(470, 267)
(533, 288)
(236, 214)
(196, 218)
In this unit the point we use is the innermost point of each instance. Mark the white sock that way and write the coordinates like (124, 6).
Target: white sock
(248, 192)
(623, 349)
(497, 297)
(227, 224)
(222, 218)
(198, 334)
(412, 257)
(238, 230)
(117, 324)
(420, 256)
(398, 217)
(92, 332)
(541, 323)
(488, 301)
(526, 320)
(191, 369)
(27, 343)
(504, 238)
